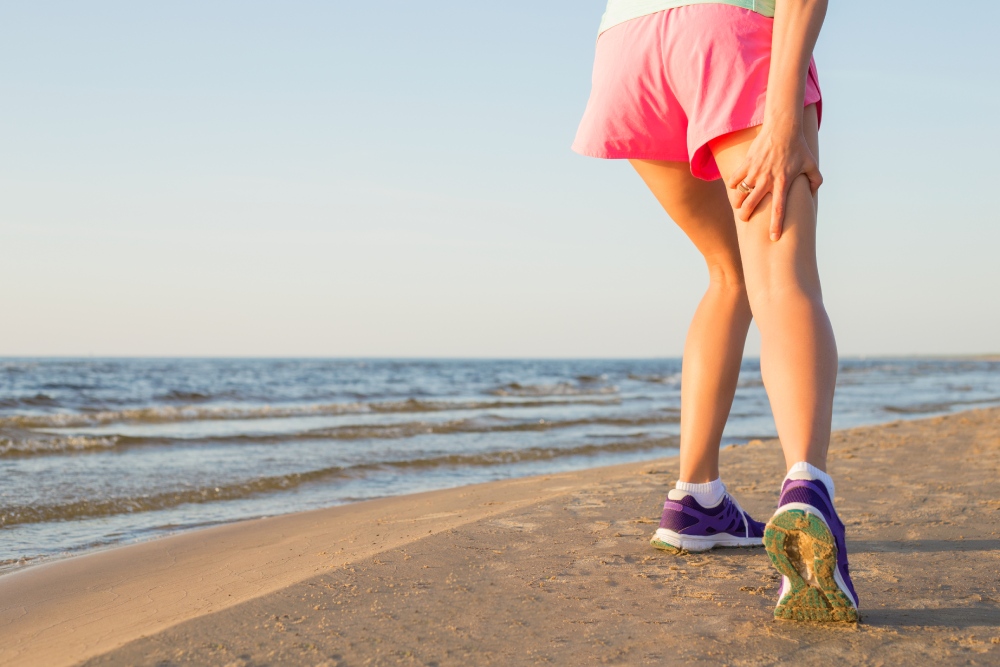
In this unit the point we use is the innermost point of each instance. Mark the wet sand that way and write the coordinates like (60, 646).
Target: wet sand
(549, 570)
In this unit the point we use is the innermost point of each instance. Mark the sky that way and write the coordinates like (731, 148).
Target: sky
(394, 179)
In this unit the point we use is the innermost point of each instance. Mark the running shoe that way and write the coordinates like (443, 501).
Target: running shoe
(805, 541)
(689, 526)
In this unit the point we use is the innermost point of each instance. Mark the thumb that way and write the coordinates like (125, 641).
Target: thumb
(815, 178)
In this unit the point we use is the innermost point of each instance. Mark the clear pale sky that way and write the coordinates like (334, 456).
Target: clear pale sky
(394, 179)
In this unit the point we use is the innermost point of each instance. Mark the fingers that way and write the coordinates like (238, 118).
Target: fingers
(737, 195)
(738, 175)
(779, 195)
(778, 189)
(740, 194)
(750, 201)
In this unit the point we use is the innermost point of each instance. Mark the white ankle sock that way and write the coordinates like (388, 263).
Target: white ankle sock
(803, 470)
(708, 494)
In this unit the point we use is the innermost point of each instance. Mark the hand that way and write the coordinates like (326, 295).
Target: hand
(775, 158)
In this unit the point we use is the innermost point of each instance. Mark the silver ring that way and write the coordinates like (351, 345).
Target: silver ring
(744, 188)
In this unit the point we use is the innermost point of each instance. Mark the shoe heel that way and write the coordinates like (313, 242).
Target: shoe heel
(664, 546)
(802, 548)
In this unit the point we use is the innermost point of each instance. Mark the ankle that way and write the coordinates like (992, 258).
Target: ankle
(806, 470)
(708, 494)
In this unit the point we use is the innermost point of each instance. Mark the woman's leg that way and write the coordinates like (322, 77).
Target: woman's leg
(798, 357)
(714, 347)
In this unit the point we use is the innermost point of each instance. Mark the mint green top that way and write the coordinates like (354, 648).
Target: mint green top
(619, 11)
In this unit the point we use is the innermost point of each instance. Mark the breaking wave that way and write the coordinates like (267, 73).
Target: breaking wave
(94, 508)
(558, 389)
(166, 413)
(17, 443)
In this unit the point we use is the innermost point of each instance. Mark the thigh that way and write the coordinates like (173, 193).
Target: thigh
(700, 208)
(790, 261)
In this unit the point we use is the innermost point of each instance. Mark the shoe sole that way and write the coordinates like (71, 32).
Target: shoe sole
(669, 540)
(803, 549)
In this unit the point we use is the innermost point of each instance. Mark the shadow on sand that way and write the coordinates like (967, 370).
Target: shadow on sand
(952, 617)
(920, 546)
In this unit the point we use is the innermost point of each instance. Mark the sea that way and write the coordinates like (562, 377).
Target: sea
(100, 452)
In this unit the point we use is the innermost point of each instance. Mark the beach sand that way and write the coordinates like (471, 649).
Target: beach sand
(547, 570)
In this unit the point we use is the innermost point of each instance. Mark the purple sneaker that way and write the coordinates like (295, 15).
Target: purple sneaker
(689, 526)
(805, 540)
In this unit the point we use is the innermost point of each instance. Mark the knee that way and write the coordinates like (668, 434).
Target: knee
(769, 296)
(726, 276)
(726, 287)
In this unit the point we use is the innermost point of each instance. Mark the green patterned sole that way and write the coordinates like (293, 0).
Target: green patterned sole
(660, 544)
(803, 549)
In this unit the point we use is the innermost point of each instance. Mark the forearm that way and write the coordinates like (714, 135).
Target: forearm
(796, 27)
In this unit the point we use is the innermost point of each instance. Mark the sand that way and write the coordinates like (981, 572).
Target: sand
(547, 570)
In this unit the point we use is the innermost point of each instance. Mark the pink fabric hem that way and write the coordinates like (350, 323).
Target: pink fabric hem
(627, 155)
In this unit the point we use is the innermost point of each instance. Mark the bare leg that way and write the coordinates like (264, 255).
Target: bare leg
(798, 356)
(714, 347)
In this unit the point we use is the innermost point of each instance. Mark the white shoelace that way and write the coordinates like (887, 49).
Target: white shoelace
(746, 521)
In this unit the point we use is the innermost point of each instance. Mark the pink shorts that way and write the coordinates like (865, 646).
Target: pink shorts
(667, 83)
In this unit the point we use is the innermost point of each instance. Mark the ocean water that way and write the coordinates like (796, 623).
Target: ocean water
(95, 452)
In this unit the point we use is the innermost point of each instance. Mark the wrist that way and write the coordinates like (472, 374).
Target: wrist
(783, 121)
